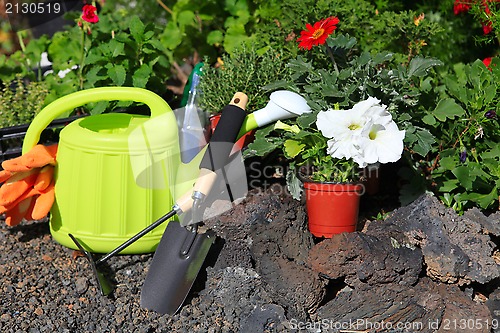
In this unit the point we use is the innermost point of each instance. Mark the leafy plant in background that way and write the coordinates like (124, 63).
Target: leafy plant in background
(121, 51)
(465, 170)
(20, 101)
(118, 50)
(244, 70)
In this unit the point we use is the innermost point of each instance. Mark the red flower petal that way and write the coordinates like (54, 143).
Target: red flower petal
(89, 14)
(487, 61)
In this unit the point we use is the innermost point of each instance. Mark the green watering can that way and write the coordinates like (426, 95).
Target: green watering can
(117, 173)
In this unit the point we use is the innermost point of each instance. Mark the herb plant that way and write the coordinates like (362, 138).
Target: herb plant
(20, 101)
(244, 70)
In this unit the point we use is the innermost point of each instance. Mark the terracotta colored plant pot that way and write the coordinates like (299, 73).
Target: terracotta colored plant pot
(241, 143)
(332, 208)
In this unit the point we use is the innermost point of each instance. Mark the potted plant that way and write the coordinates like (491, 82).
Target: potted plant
(361, 104)
(330, 156)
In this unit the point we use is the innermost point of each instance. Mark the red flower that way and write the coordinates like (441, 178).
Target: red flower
(487, 61)
(487, 24)
(487, 27)
(317, 34)
(461, 6)
(89, 14)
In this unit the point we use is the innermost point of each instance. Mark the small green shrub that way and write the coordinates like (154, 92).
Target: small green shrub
(245, 70)
(20, 101)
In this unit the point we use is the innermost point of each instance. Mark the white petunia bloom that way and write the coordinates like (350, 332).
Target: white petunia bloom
(380, 143)
(366, 133)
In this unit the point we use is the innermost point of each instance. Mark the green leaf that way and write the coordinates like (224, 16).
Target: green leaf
(449, 185)
(429, 119)
(117, 74)
(186, 18)
(464, 176)
(483, 200)
(141, 76)
(413, 188)
(92, 76)
(261, 146)
(448, 162)
(289, 128)
(94, 57)
(137, 29)
(490, 92)
(116, 48)
(382, 57)
(424, 141)
(292, 148)
(148, 35)
(171, 36)
(294, 184)
(306, 119)
(99, 107)
(364, 59)
(420, 66)
(215, 37)
(448, 109)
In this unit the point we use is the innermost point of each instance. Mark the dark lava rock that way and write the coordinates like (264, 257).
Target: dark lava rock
(425, 307)
(265, 318)
(365, 260)
(456, 249)
(493, 304)
(279, 249)
(259, 276)
(233, 293)
(297, 288)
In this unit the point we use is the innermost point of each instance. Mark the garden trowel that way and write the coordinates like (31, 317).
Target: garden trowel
(183, 247)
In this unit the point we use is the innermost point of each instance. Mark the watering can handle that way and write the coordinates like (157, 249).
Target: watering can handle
(69, 102)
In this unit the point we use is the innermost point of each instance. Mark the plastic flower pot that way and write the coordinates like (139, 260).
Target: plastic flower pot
(241, 143)
(332, 208)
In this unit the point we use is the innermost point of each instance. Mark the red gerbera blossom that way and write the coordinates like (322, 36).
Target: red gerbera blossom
(317, 34)
(89, 14)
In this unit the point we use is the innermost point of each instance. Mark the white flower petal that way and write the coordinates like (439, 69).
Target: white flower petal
(338, 124)
(382, 144)
(342, 149)
(363, 106)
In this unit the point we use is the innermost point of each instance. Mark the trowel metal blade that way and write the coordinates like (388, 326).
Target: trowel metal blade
(172, 272)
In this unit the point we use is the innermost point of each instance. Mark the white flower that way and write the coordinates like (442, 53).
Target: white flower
(380, 143)
(366, 133)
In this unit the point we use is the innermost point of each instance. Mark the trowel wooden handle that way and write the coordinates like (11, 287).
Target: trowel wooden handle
(219, 148)
(239, 99)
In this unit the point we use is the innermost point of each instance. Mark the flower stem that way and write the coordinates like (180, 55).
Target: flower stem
(330, 54)
(82, 60)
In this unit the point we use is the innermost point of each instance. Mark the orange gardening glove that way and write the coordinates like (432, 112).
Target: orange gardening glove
(27, 191)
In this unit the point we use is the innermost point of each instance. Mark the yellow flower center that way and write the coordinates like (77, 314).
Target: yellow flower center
(318, 33)
(354, 127)
(372, 135)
